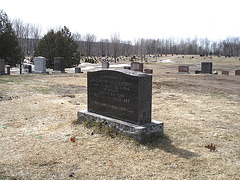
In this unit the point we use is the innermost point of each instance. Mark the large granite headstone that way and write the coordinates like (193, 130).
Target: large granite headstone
(40, 64)
(120, 95)
(123, 99)
(206, 68)
(59, 64)
(137, 66)
(2, 66)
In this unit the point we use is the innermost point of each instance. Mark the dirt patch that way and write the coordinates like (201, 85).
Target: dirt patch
(197, 110)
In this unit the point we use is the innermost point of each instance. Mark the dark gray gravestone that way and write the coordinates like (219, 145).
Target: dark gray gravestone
(124, 95)
(59, 64)
(206, 67)
(78, 70)
(197, 72)
(2, 66)
(123, 99)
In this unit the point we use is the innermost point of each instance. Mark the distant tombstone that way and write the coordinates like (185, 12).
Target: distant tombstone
(148, 71)
(137, 66)
(2, 66)
(197, 72)
(225, 72)
(27, 68)
(78, 70)
(183, 69)
(8, 69)
(237, 72)
(206, 68)
(127, 67)
(105, 65)
(123, 100)
(59, 64)
(40, 64)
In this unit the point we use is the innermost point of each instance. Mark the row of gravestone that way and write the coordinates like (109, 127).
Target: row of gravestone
(135, 66)
(39, 66)
(206, 68)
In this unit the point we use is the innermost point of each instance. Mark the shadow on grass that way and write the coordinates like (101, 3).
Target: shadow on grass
(165, 144)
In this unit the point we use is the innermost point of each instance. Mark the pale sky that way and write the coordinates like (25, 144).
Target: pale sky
(132, 19)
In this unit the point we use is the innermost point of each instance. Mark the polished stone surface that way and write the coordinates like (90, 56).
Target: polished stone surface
(59, 64)
(122, 94)
(206, 67)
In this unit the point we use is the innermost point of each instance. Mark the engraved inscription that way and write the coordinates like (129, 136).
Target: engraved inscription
(120, 95)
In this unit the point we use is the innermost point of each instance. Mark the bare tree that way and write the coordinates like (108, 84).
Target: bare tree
(115, 42)
(89, 43)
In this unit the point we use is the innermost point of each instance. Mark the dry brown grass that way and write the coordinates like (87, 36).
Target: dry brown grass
(197, 110)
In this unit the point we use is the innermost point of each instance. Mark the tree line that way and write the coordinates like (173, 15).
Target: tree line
(30, 35)
(32, 42)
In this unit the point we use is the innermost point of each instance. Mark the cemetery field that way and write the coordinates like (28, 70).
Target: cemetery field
(38, 116)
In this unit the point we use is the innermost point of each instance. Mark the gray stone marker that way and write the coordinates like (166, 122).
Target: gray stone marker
(59, 65)
(27, 68)
(105, 65)
(206, 68)
(2, 67)
(78, 70)
(40, 65)
(183, 69)
(137, 66)
(122, 99)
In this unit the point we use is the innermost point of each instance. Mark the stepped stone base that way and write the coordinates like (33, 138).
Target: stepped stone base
(141, 133)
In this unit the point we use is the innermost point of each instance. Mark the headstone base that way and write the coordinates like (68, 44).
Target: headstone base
(141, 133)
(183, 72)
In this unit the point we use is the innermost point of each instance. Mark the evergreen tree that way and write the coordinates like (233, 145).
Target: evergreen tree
(58, 44)
(10, 50)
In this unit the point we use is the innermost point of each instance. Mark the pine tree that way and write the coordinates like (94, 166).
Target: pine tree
(10, 50)
(58, 44)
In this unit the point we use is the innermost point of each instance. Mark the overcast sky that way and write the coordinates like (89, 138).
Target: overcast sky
(132, 19)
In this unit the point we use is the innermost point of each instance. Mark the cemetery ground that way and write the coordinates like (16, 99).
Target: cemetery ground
(38, 117)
